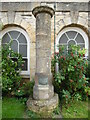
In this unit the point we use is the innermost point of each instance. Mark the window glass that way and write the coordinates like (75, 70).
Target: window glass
(6, 38)
(14, 34)
(23, 50)
(79, 39)
(14, 46)
(71, 34)
(63, 39)
(72, 38)
(22, 39)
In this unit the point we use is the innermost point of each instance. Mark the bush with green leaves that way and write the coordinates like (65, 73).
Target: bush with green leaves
(11, 67)
(70, 81)
(25, 89)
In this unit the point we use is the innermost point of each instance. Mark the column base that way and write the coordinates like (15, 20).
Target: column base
(43, 106)
(42, 92)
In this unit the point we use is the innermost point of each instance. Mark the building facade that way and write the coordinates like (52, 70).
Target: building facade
(70, 24)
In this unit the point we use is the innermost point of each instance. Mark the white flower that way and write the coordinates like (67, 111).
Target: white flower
(3, 70)
(18, 90)
(9, 48)
(9, 88)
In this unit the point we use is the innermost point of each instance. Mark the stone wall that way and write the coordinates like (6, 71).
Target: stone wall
(26, 20)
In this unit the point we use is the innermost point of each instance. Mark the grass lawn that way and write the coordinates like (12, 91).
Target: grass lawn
(13, 108)
(77, 109)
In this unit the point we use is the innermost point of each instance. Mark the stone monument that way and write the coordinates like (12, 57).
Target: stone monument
(44, 98)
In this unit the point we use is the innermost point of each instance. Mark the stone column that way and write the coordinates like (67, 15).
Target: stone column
(43, 88)
(44, 100)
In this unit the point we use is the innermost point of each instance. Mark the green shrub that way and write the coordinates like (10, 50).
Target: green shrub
(25, 89)
(11, 67)
(70, 82)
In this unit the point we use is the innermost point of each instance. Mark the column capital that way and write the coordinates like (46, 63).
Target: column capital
(43, 9)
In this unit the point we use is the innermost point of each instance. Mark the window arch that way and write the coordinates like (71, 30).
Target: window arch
(20, 44)
(72, 35)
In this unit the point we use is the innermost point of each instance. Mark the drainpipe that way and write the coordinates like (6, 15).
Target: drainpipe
(54, 25)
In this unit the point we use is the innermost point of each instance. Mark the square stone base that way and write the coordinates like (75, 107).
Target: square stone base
(42, 92)
(43, 106)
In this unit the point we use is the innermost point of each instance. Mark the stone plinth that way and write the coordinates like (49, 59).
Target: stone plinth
(43, 90)
(43, 106)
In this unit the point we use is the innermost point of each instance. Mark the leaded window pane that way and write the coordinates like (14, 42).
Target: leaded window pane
(71, 34)
(22, 39)
(71, 42)
(14, 34)
(6, 38)
(82, 46)
(79, 39)
(14, 46)
(63, 39)
(23, 50)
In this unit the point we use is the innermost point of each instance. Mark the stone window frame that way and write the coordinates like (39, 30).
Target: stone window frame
(21, 30)
(78, 30)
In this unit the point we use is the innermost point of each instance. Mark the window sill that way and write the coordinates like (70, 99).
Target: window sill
(25, 76)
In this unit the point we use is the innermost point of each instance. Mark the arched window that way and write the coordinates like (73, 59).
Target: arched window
(72, 36)
(20, 44)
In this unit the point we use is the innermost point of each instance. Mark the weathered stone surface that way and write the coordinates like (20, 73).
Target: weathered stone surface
(43, 9)
(60, 6)
(43, 106)
(43, 38)
(4, 20)
(42, 92)
(11, 16)
(74, 16)
(82, 21)
(17, 19)
(24, 24)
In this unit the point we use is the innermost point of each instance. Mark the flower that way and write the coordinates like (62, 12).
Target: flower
(71, 81)
(82, 68)
(22, 65)
(86, 63)
(80, 76)
(64, 57)
(61, 56)
(79, 55)
(12, 61)
(56, 53)
(84, 85)
(78, 62)
(87, 94)
(75, 66)
(71, 54)
(18, 90)
(66, 96)
(83, 55)
(3, 70)
(85, 78)
(9, 48)
(9, 88)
